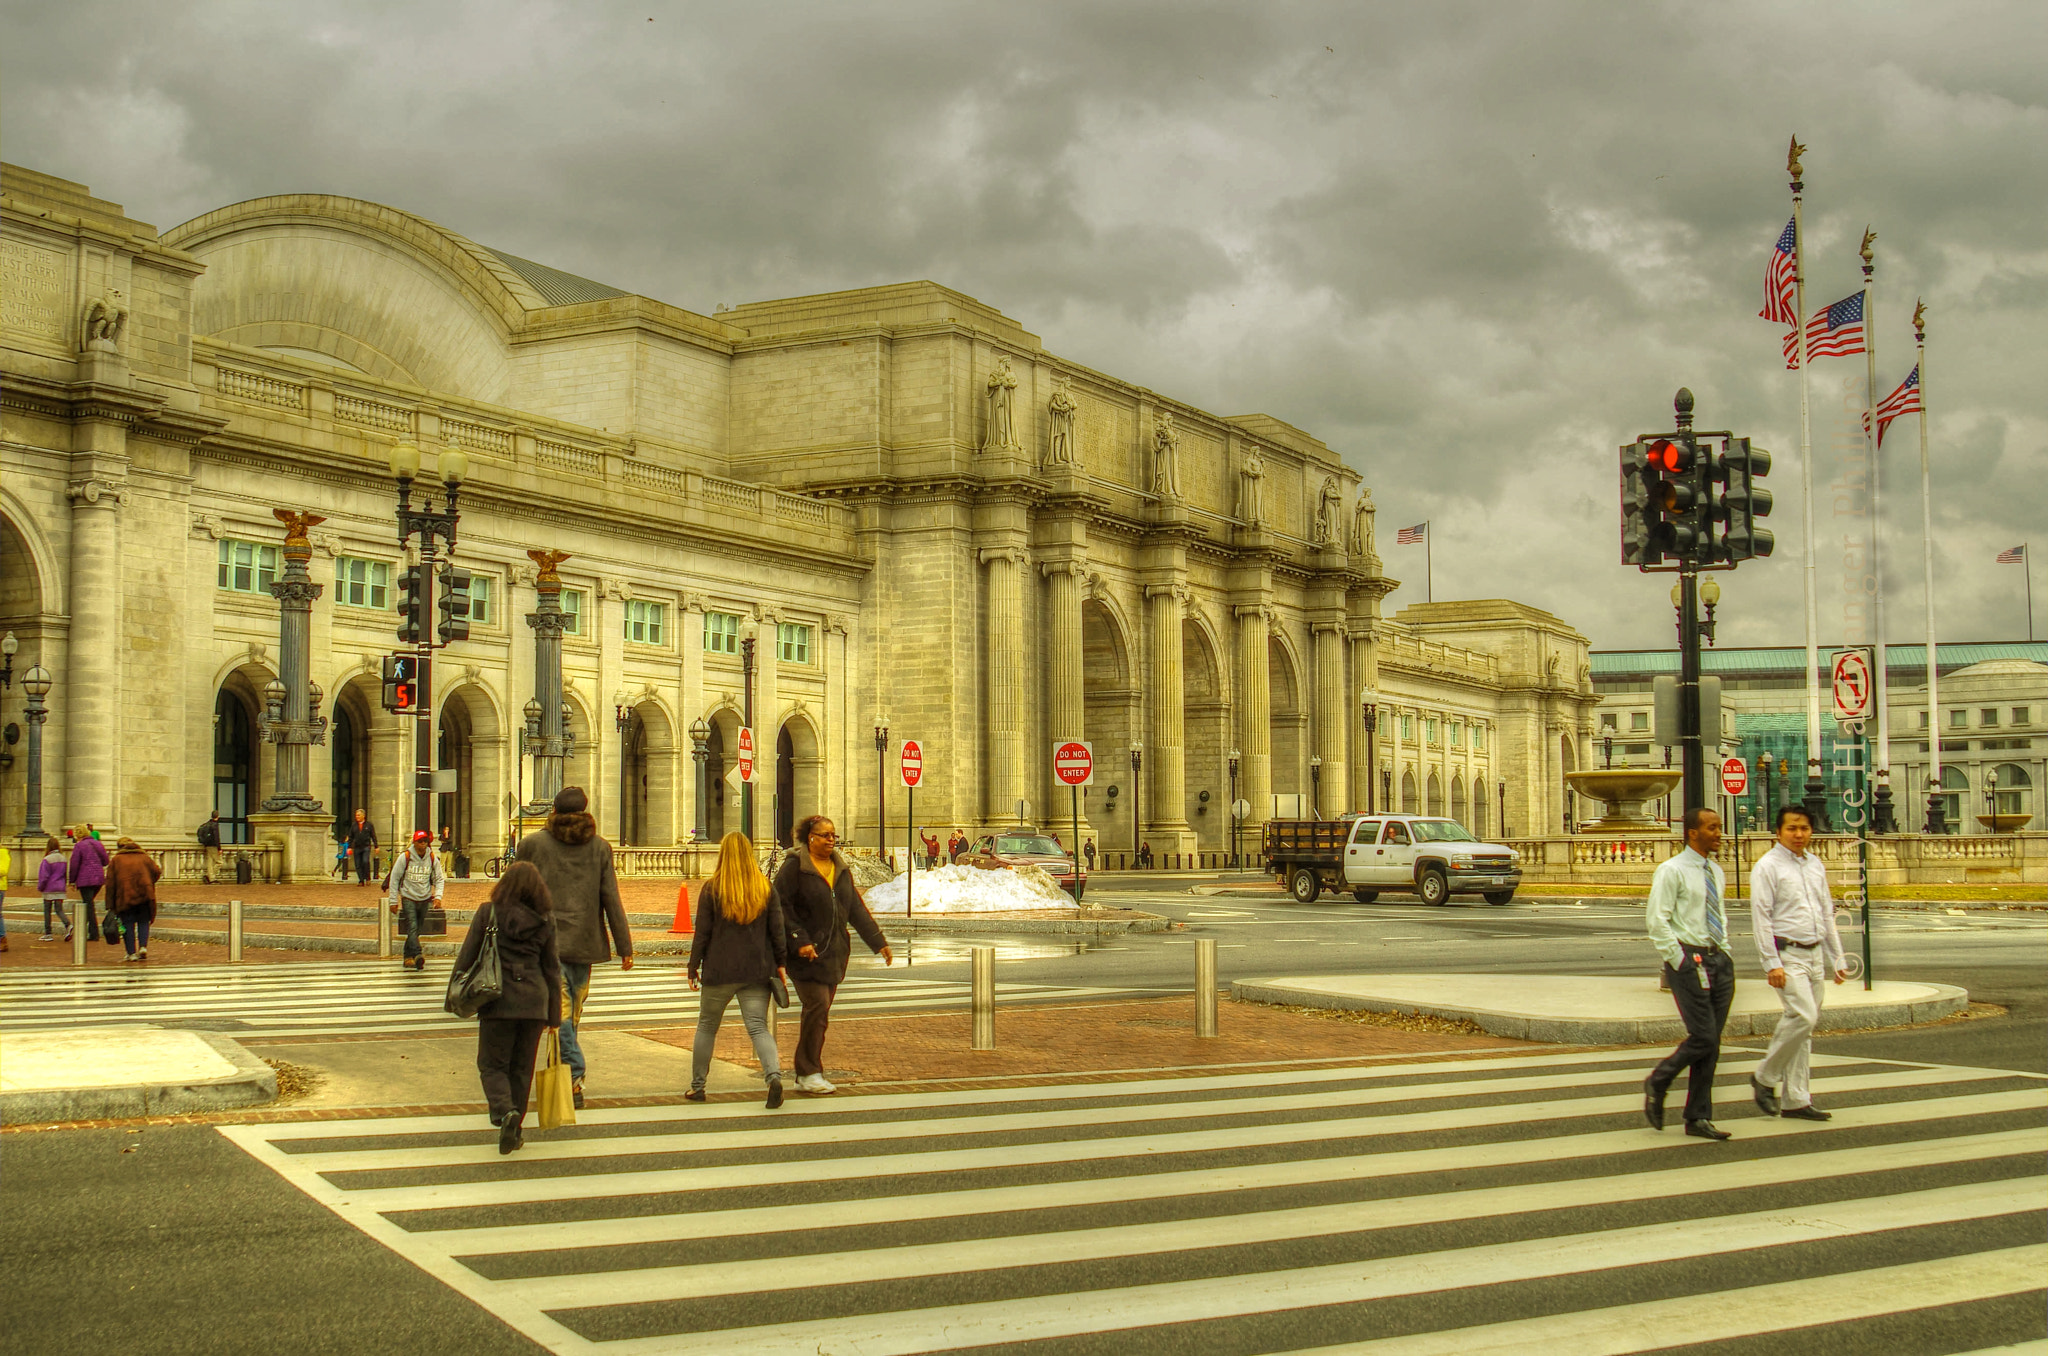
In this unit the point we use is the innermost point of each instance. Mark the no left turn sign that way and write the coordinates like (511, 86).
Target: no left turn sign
(1854, 691)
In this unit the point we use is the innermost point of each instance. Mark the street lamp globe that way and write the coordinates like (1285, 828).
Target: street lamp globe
(453, 464)
(274, 693)
(36, 682)
(1710, 592)
(405, 460)
(700, 732)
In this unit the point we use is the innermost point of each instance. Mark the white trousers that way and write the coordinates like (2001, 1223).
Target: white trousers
(1786, 1062)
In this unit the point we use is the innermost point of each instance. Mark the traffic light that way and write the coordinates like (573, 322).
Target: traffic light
(1638, 516)
(1683, 516)
(409, 611)
(401, 682)
(1743, 501)
(453, 602)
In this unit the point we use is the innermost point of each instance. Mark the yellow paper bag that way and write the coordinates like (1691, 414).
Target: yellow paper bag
(553, 1087)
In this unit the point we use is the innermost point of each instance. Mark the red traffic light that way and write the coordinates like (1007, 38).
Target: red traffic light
(1668, 456)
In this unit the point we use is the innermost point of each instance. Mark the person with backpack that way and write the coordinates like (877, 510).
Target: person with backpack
(577, 866)
(739, 951)
(209, 840)
(529, 1001)
(417, 883)
(88, 871)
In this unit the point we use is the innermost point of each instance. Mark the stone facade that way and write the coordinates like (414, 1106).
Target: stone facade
(922, 511)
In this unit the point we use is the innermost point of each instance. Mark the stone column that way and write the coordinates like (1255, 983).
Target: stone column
(87, 693)
(551, 758)
(1006, 781)
(1254, 716)
(292, 813)
(1332, 716)
(1166, 747)
(1365, 676)
(1066, 711)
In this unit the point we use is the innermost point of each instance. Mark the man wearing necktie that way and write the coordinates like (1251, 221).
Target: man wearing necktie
(1688, 924)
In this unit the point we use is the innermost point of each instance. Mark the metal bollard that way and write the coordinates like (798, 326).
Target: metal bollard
(1205, 986)
(984, 997)
(235, 930)
(79, 932)
(383, 928)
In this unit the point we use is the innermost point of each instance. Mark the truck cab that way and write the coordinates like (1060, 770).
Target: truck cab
(1429, 856)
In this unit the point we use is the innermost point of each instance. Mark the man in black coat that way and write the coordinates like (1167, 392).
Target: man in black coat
(819, 898)
(209, 841)
(362, 845)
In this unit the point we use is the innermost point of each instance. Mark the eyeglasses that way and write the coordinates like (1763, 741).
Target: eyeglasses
(828, 837)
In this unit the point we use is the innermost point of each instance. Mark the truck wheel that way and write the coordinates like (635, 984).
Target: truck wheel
(1433, 888)
(1365, 896)
(1499, 896)
(1306, 885)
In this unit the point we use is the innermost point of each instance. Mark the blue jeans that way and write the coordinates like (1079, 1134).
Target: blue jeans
(711, 1003)
(576, 977)
(412, 916)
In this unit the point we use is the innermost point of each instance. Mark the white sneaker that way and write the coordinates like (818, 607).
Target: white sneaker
(815, 1085)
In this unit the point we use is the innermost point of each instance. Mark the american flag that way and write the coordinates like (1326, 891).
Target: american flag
(1409, 536)
(1836, 332)
(2016, 556)
(1905, 400)
(1778, 279)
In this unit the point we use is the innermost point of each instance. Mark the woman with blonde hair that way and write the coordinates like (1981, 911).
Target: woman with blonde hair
(738, 951)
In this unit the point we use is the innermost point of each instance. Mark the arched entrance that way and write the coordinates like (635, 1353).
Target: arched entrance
(1206, 722)
(647, 776)
(1288, 723)
(721, 802)
(23, 603)
(235, 764)
(1110, 717)
(455, 749)
(799, 776)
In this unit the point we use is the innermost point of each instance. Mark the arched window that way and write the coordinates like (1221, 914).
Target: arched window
(1409, 799)
(1954, 787)
(1459, 811)
(1436, 795)
(2015, 791)
(1479, 803)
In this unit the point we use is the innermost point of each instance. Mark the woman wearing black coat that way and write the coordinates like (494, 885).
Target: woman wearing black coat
(509, 1027)
(819, 898)
(739, 948)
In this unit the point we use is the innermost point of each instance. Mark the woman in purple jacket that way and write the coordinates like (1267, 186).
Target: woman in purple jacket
(50, 880)
(89, 873)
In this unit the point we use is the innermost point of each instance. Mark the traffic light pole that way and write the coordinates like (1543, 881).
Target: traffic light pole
(423, 709)
(1693, 756)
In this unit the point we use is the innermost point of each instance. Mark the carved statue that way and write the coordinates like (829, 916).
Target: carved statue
(1792, 165)
(296, 543)
(1361, 523)
(1059, 447)
(549, 562)
(1002, 388)
(1251, 489)
(1329, 503)
(106, 320)
(1165, 458)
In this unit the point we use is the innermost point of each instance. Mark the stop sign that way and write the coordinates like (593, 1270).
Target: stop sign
(1734, 776)
(913, 763)
(746, 757)
(1073, 762)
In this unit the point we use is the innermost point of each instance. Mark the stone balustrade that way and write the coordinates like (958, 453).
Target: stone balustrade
(1898, 859)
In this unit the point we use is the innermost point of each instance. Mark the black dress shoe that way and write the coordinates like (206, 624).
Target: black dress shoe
(1705, 1130)
(1766, 1096)
(1806, 1113)
(509, 1137)
(774, 1093)
(1653, 1105)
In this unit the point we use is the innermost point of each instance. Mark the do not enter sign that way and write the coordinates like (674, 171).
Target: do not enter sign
(746, 753)
(913, 763)
(1734, 776)
(1073, 762)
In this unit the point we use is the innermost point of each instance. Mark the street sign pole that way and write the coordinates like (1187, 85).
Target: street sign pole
(1073, 762)
(1080, 886)
(909, 845)
(1853, 688)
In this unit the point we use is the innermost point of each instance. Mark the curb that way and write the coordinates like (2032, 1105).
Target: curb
(1609, 1030)
(252, 1083)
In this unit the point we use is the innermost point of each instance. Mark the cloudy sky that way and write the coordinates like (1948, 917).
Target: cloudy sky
(1473, 247)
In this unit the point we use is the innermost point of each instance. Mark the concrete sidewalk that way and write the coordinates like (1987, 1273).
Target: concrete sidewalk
(115, 1072)
(1594, 1010)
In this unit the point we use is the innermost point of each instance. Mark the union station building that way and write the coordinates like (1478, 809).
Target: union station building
(918, 511)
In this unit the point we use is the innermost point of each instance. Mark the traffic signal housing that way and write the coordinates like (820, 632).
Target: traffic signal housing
(401, 682)
(1683, 525)
(410, 615)
(453, 602)
(1638, 512)
(1743, 501)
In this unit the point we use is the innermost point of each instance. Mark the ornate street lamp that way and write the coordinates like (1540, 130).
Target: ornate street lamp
(8, 646)
(434, 529)
(531, 744)
(35, 685)
(546, 715)
(1504, 808)
(750, 635)
(1991, 798)
(1315, 786)
(881, 780)
(1371, 709)
(1137, 801)
(700, 750)
(1235, 864)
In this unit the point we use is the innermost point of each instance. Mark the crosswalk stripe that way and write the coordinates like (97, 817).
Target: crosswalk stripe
(1748, 1312)
(909, 1252)
(703, 1141)
(956, 1256)
(1091, 1191)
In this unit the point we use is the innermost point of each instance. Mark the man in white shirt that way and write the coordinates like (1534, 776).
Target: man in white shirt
(1689, 927)
(1799, 946)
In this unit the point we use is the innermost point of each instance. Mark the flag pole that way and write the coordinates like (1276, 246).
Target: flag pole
(1935, 822)
(1429, 573)
(1881, 811)
(2027, 566)
(1816, 793)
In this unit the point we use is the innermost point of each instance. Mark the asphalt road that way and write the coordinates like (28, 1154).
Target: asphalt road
(177, 1238)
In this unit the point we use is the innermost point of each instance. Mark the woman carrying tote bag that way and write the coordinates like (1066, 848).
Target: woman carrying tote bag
(738, 952)
(529, 1000)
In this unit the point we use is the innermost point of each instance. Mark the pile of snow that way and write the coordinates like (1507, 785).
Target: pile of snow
(969, 889)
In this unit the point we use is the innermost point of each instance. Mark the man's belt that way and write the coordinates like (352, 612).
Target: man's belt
(1784, 942)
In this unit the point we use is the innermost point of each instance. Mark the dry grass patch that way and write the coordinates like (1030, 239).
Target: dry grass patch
(1399, 1021)
(293, 1080)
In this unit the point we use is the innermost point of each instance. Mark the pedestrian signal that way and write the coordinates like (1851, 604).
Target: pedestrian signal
(401, 682)
(410, 615)
(453, 602)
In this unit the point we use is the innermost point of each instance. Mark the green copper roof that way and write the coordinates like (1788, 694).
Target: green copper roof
(561, 289)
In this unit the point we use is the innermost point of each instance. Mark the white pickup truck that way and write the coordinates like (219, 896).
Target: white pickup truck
(1366, 854)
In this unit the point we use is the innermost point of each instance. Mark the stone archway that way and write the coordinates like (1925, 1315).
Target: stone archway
(1288, 722)
(1110, 716)
(26, 598)
(648, 774)
(799, 775)
(471, 742)
(1206, 733)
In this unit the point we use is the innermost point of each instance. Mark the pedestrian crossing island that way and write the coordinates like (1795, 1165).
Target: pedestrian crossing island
(1445, 1206)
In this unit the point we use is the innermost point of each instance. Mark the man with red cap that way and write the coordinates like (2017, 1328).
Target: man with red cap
(417, 883)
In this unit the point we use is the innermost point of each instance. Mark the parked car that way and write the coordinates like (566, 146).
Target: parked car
(1370, 854)
(1027, 847)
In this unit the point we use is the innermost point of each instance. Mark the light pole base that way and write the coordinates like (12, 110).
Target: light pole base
(307, 837)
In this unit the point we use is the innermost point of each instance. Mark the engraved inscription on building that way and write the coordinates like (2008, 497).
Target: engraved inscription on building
(32, 289)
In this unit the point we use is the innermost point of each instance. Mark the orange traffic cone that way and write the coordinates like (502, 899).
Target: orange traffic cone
(683, 924)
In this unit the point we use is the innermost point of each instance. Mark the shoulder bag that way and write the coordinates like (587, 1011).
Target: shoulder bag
(469, 990)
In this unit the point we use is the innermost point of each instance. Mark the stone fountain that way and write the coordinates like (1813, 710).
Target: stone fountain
(1625, 791)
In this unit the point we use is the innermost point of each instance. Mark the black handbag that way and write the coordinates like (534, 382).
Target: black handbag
(470, 990)
(110, 929)
(778, 990)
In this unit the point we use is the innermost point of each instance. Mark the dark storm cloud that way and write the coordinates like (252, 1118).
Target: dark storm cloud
(1471, 246)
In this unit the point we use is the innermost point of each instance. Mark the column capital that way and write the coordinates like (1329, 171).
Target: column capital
(1011, 555)
(92, 489)
(1180, 592)
(1077, 566)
